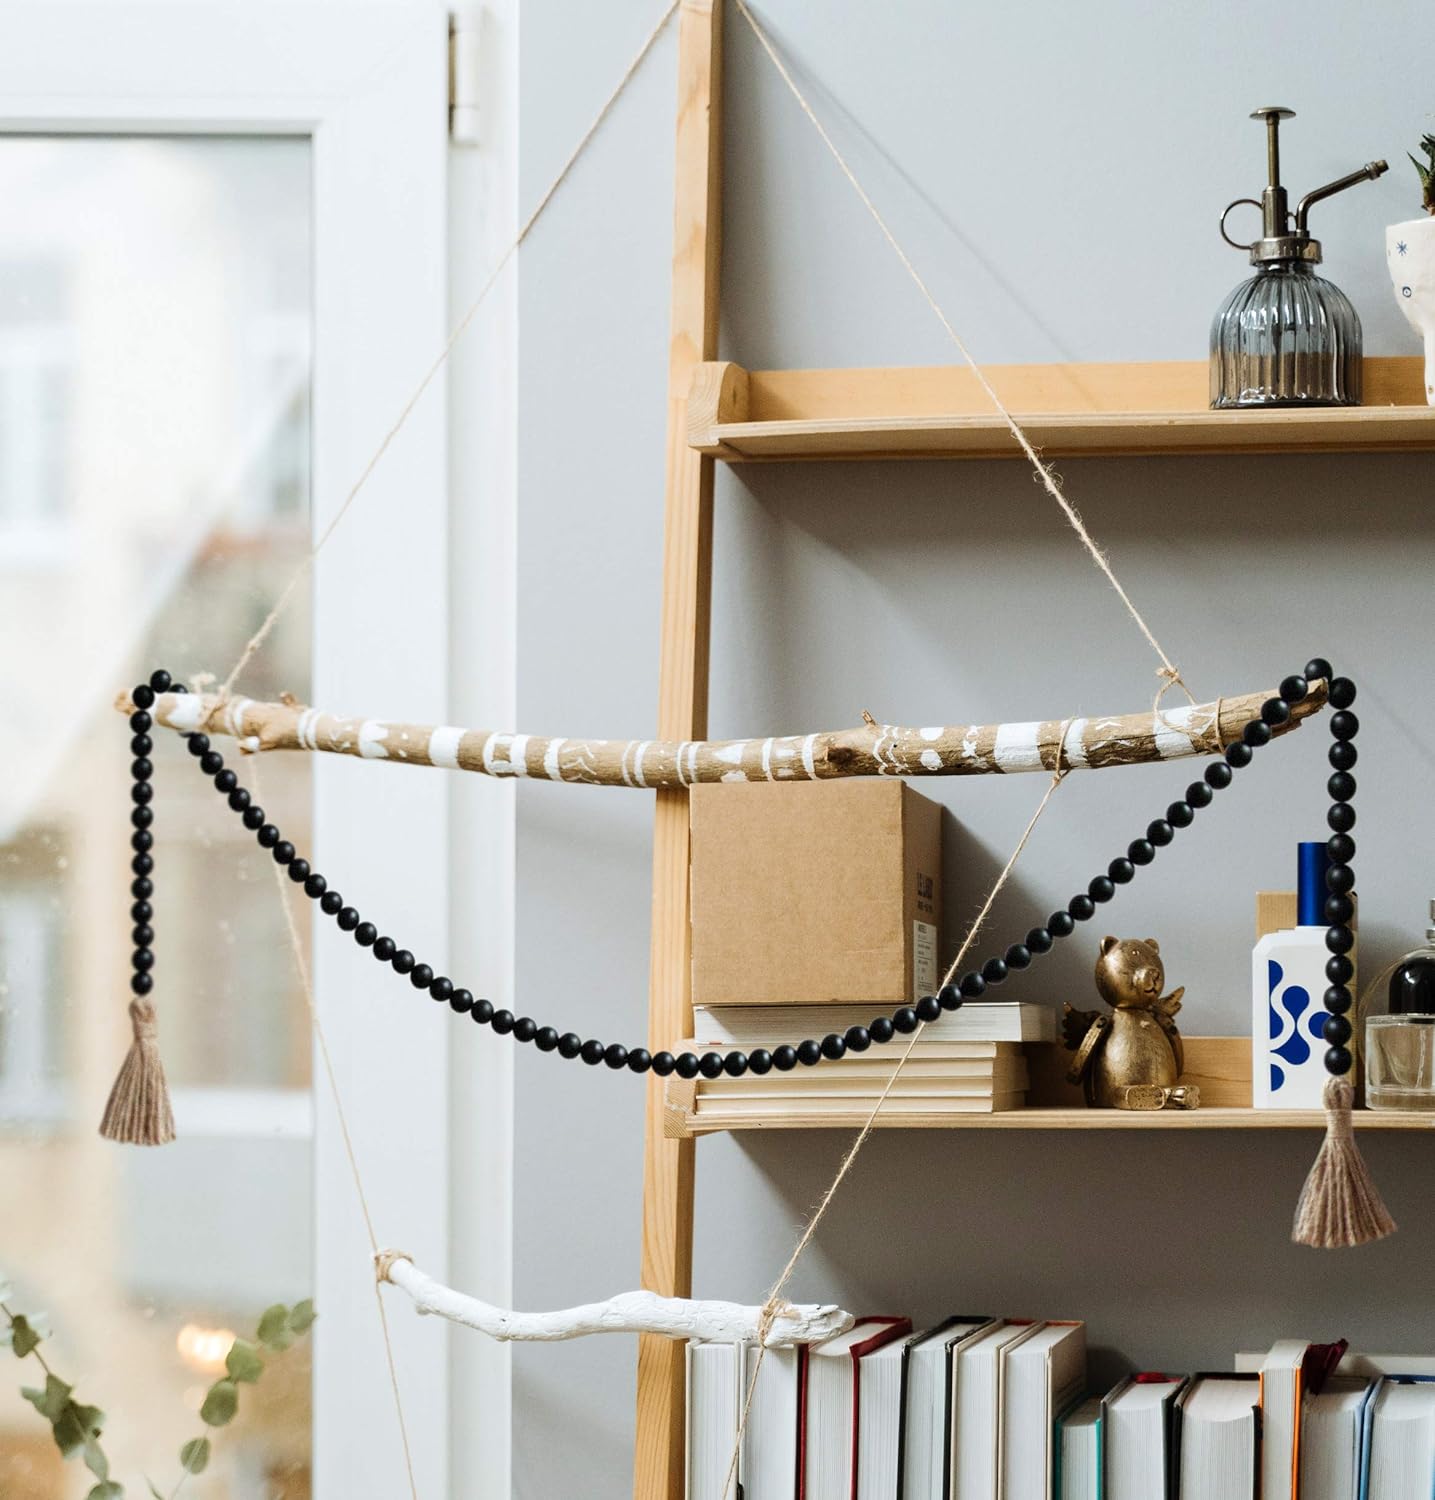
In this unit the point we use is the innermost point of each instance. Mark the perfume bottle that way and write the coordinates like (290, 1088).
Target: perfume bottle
(1400, 1045)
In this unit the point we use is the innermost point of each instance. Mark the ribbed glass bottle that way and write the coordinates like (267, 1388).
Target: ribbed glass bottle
(1286, 337)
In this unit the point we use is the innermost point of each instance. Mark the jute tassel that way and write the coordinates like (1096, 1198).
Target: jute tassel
(139, 1112)
(1340, 1205)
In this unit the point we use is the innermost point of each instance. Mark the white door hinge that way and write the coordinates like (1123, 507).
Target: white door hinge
(464, 29)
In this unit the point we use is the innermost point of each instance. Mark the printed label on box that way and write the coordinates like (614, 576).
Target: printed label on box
(924, 960)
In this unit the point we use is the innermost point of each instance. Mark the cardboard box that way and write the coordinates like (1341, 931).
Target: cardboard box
(814, 892)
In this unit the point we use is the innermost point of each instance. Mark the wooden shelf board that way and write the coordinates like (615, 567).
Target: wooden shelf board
(1066, 410)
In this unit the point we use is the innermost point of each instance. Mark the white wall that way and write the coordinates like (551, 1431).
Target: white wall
(1057, 171)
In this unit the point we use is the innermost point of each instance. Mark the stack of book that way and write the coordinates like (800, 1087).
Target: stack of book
(990, 1409)
(968, 1061)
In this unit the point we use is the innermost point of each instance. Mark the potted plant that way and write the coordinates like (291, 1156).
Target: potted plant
(1410, 254)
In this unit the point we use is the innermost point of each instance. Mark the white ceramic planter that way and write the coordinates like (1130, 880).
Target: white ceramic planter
(1410, 254)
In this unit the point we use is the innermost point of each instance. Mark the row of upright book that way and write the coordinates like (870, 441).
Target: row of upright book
(980, 1408)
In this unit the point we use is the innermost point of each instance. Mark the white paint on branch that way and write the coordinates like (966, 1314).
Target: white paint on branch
(629, 1312)
(1017, 748)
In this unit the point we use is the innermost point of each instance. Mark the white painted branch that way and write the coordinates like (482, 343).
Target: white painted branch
(629, 1312)
(871, 750)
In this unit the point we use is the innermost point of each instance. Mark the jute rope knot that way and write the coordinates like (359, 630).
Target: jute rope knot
(386, 1260)
(144, 1022)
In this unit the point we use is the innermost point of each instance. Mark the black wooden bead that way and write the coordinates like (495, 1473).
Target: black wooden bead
(1341, 786)
(1340, 879)
(348, 918)
(784, 1058)
(420, 976)
(1140, 851)
(710, 1064)
(211, 762)
(1342, 755)
(1338, 1061)
(759, 1062)
(441, 988)
(1344, 725)
(639, 1059)
(525, 1028)
(461, 1002)
(141, 769)
(1339, 908)
(1160, 833)
(1336, 1030)
(857, 1038)
(314, 885)
(142, 958)
(1341, 849)
(1341, 817)
(735, 1064)
(141, 744)
(1122, 871)
(142, 864)
(1339, 938)
(809, 1052)
(403, 962)
(994, 971)
(178, 687)
(283, 852)
(546, 1039)
(226, 781)
(1339, 970)
(1082, 907)
(881, 1028)
(950, 997)
(1238, 755)
(1198, 794)
(1018, 956)
(906, 1020)
(142, 889)
(1294, 689)
(268, 836)
(686, 1065)
(298, 870)
(143, 696)
(141, 723)
(570, 1044)
(481, 1011)
(663, 1063)
(1039, 940)
(160, 680)
(1341, 692)
(239, 799)
(1180, 815)
(1275, 711)
(1061, 924)
(331, 902)
(384, 949)
(1101, 888)
(834, 1048)
(1256, 734)
(502, 1023)
(973, 986)
(1217, 775)
(141, 983)
(366, 934)
(1337, 999)
(142, 793)
(142, 937)
(253, 818)
(928, 1008)
(141, 911)
(196, 744)
(592, 1052)
(1317, 666)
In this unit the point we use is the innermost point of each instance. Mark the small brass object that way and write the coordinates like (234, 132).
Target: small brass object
(1132, 1058)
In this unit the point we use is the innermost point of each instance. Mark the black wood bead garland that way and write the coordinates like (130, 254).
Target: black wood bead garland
(883, 1029)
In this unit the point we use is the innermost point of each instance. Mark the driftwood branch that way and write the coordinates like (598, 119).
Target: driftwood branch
(629, 1312)
(869, 750)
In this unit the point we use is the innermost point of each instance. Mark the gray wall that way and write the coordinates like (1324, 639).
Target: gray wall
(1056, 171)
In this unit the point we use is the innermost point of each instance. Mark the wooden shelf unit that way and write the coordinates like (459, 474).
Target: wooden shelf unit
(1068, 411)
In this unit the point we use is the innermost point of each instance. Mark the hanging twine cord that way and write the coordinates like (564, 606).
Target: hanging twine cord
(775, 1303)
(1050, 480)
(459, 329)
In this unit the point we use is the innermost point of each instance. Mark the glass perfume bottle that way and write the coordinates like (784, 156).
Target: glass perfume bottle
(1400, 1045)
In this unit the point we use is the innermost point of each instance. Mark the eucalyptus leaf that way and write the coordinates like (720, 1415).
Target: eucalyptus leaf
(243, 1362)
(96, 1461)
(23, 1338)
(194, 1456)
(69, 1431)
(220, 1404)
(274, 1328)
(51, 1401)
(302, 1315)
(106, 1489)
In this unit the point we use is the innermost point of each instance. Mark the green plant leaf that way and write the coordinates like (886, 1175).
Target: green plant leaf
(106, 1489)
(23, 1338)
(96, 1461)
(302, 1315)
(194, 1456)
(274, 1328)
(76, 1426)
(51, 1401)
(220, 1404)
(243, 1362)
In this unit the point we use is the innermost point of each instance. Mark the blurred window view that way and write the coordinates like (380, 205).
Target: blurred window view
(155, 327)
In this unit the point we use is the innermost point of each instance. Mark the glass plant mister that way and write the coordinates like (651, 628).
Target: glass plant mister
(1286, 337)
(1400, 1045)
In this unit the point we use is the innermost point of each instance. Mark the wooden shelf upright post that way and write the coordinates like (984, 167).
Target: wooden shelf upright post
(667, 1253)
